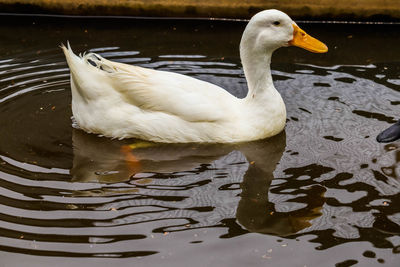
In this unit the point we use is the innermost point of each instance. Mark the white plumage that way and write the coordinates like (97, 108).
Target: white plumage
(123, 101)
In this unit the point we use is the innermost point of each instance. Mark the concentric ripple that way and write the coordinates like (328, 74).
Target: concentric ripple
(322, 184)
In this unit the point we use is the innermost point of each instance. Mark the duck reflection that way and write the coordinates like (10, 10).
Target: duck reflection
(258, 214)
(104, 160)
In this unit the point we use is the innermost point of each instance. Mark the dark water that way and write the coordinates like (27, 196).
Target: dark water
(322, 193)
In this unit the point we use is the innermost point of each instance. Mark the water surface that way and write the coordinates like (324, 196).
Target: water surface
(321, 193)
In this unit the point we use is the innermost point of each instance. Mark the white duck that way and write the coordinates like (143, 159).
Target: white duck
(123, 101)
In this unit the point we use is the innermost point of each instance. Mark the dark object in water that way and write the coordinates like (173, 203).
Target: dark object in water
(390, 134)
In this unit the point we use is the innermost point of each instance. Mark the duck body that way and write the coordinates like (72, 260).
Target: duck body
(133, 102)
(123, 101)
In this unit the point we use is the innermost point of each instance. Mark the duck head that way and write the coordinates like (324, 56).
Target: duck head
(271, 29)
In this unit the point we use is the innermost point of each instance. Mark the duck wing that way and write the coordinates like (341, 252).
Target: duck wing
(172, 93)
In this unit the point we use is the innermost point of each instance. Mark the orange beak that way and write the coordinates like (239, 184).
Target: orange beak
(303, 40)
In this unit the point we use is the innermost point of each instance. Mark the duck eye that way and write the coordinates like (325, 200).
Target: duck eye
(276, 23)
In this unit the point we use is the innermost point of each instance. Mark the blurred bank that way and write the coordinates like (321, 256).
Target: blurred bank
(358, 10)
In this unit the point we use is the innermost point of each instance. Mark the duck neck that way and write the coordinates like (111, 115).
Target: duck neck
(257, 71)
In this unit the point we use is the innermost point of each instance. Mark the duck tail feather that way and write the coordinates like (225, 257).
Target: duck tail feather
(72, 59)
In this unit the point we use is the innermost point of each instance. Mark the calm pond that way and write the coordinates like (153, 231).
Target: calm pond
(322, 193)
